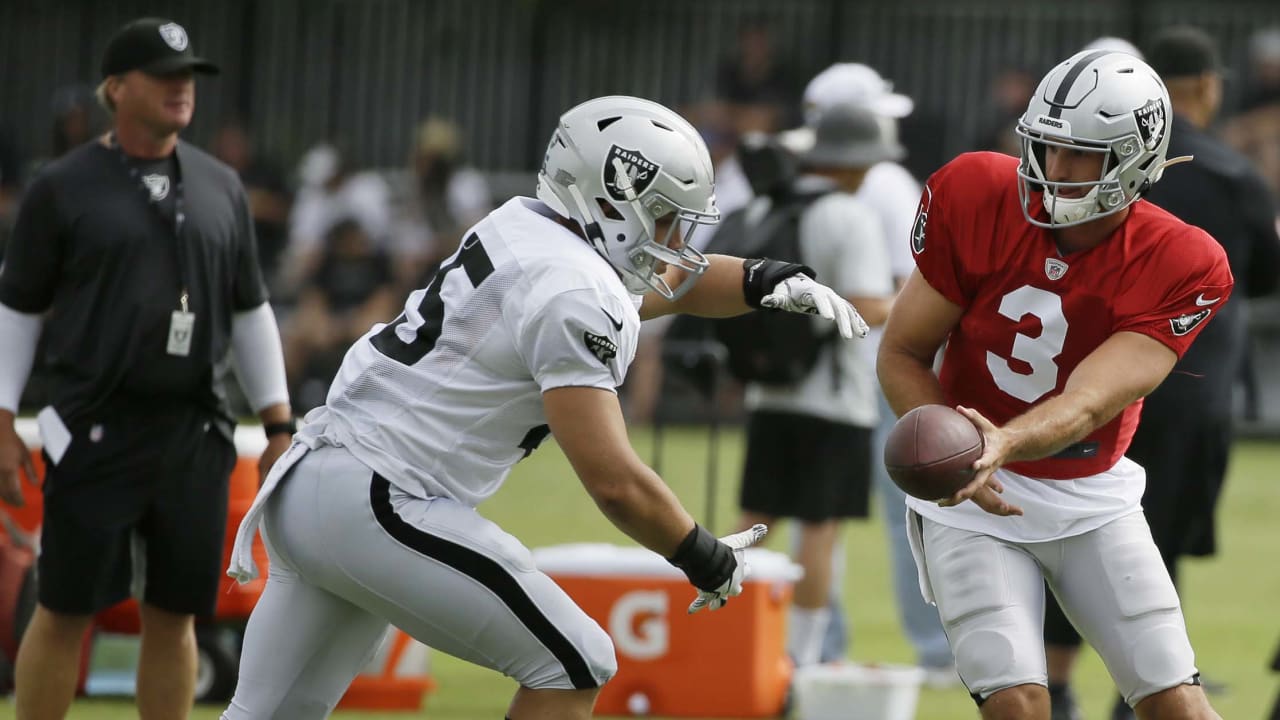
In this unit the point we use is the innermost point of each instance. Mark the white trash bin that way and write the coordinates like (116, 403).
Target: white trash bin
(856, 692)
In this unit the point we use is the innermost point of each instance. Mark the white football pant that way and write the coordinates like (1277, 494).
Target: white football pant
(350, 552)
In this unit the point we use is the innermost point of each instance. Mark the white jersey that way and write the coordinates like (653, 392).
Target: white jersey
(448, 397)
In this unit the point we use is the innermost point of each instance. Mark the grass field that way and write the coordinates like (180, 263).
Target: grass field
(1231, 601)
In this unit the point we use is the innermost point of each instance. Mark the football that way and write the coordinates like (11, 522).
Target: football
(930, 452)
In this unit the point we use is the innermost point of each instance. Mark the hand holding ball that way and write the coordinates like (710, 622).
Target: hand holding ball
(930, 452)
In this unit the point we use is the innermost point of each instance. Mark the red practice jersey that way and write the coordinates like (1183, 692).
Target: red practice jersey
(1032, 314)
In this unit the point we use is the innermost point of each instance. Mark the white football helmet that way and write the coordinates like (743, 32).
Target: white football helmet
(617, 164)
(1100, 101)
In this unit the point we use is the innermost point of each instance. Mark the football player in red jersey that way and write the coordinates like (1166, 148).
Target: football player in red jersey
(1063, 299)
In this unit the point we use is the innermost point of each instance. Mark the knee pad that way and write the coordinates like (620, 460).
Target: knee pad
(1152, 633)
(1161, 658)
(996, 641)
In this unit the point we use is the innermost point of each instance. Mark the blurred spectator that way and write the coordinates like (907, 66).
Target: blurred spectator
(762, 89)
(1264, 69)
(1114, 44)
(894, 195)
(10, 186)
(77, 118)
(331, 192)
(1007, 96)
(268, 193)
(808, 443)
(1255, 132)
(440, 199)
(350, 289)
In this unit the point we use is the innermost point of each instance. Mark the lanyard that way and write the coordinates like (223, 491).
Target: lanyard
(179, 217)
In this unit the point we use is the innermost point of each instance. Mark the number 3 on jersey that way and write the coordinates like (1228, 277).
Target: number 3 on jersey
(1038, 352)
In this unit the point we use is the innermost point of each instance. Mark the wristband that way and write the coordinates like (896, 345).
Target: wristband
(761, 275)
(707, 562)
(288, 427)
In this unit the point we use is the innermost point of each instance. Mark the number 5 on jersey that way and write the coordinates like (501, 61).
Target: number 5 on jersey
(475, 262)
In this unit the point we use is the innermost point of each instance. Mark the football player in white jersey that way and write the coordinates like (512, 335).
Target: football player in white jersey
(527, 330)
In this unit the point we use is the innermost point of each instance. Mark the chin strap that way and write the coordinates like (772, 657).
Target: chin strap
(590, 227)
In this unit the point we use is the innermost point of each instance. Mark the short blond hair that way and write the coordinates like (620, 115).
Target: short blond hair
(103, 98)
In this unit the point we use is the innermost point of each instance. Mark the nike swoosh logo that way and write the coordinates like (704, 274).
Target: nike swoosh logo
(1202, 302)
(617, 324)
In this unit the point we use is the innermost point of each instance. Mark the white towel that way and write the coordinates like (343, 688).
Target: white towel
(309, 437)
(916, 540)
(242, 567)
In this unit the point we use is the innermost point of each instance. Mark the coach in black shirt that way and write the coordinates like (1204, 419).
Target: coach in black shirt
(135, 254)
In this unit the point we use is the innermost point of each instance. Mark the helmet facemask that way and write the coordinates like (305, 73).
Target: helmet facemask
(1102, 197)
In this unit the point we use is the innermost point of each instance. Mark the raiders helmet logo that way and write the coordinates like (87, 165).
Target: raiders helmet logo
(157, 185)
(600, 346)
(1184, 324)
(1151, 123)
(174, 36)
(922, 219)
(640, 172)
(1054, 268)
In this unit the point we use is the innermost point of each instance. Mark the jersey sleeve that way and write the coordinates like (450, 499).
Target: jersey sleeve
(33, 256)
(1176, 305)
(576, 340)
(249, 291)
(940, 236)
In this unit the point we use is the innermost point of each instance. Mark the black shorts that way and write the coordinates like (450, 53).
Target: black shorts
(804, 467)
(150, 487)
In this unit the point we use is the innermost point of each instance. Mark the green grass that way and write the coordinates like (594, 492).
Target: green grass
(1230, 600)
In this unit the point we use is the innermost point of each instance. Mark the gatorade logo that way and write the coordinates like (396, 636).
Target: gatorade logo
(638, 624)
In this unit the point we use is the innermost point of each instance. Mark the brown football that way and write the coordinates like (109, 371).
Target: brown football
(931, 450)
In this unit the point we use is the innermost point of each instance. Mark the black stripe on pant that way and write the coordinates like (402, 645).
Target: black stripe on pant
(487, 572)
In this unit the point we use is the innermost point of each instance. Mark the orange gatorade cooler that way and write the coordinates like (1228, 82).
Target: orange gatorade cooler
(727, 663)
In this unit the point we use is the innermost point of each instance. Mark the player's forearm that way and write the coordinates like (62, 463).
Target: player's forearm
(718, 293)
(908, 380)
(1055, 424)
(643, 507)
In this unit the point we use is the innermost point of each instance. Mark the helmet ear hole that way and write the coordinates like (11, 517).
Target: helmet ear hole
(608, 210)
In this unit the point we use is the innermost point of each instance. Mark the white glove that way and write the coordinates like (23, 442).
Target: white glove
(733, 586)
(802, 294)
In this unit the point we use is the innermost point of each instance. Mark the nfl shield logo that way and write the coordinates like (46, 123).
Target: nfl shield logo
(1054, 268)
(1151, 123)
(174, 36)
(640, 172)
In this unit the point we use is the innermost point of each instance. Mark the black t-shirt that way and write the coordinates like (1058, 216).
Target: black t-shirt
(90, 248)
(1222, 193)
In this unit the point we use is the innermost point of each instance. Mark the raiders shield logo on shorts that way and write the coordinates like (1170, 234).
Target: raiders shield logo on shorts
(641, 172)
